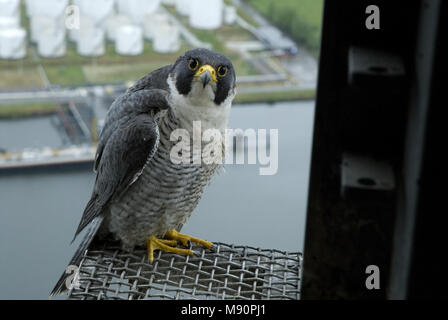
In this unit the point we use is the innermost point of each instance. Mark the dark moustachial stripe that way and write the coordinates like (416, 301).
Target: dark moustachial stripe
(184, 76)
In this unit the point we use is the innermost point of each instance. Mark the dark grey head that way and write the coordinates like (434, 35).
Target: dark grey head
(203, 71)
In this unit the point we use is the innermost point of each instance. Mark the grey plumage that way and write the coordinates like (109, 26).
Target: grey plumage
(129, 138)
(93, 228)
(139, 192)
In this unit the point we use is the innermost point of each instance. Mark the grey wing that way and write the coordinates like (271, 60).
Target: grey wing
(60, 286)
(129, 138)
(149, 93)
(124, 108)
(127, 121)
(128, 148)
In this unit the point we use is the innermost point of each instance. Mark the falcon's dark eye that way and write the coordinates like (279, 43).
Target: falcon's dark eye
(222, 71)
(193, 64)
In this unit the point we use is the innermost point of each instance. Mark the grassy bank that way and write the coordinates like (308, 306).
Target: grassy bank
(17, 111)
(301, 19)
(275, 96)
(37, 109)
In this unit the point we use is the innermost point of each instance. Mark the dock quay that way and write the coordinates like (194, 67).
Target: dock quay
(47, 157)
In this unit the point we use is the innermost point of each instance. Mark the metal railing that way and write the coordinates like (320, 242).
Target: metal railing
(224, 272)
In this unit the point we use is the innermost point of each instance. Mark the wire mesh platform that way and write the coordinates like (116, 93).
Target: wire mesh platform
(224, 272)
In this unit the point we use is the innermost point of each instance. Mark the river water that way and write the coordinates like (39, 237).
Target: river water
(39, 211)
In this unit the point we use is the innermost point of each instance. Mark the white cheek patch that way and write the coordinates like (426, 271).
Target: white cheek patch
(201, 96)
(199, 105)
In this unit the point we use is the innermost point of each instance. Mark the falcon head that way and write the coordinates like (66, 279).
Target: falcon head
(202, 77)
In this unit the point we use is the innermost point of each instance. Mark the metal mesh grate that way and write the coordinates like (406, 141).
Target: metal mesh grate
(225, 272)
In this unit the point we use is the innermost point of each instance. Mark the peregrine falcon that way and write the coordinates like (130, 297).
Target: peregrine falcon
(141, 196)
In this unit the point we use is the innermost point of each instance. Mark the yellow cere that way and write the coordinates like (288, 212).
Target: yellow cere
(208, 68)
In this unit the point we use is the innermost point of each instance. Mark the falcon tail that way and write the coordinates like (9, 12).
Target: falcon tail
(60, 286)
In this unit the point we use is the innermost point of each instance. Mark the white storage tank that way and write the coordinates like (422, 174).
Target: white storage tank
(12, 43)
(91, 43)
(113, 23)
(152, 22)
(167, 39)
(183, 7)
(48, 8)
(129, 40)
(9, 23)
(138, 9)
(39, 24)
(206, 14)
(97, 10)
(85, 24)
(51, 43)
(9, 8)
(122, 7)
(230, 15)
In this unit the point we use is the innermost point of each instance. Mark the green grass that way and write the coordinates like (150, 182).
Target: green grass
(275, 96)
(242, 68)
(65, 75)
(20, 77)
(301, 19)
(242, 14)
(13, 111)
(110, 56)
(15, 64)
(117, 73)
(74, 69)
(209, 37)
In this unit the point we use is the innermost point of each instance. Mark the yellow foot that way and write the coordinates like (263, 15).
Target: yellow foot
(154, 243)
(174, 235)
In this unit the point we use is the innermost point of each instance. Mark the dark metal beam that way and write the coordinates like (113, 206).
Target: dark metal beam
(361, 116)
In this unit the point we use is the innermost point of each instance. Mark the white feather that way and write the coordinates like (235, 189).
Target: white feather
(199, 105)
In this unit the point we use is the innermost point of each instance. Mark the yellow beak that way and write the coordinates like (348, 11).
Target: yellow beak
(206, 74)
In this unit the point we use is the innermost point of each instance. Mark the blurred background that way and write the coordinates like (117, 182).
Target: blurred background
(62, 63)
